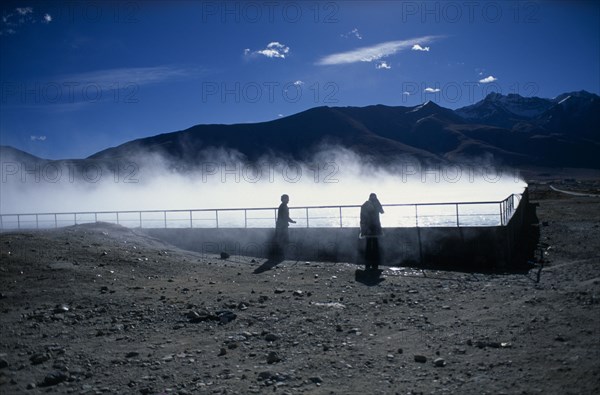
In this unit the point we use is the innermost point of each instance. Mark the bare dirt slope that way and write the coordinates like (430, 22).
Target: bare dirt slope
(104, 309)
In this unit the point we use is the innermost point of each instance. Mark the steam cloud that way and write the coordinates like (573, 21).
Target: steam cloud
(334, 176)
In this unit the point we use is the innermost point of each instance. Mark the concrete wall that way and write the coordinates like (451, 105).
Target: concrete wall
(473, 248)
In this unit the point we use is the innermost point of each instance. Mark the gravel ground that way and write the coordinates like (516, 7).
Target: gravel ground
(99, 308)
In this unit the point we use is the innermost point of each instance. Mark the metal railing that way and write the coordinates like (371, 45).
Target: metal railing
(453, 214)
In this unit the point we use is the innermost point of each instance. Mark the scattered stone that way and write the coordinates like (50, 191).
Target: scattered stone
(298, 293)
(420, 358)
(31, 386)
(266, 375)
(226, 316)
(273, 357)
(37, 359)
(400, 351)
(262, 298)
(224, 255)
(222, 351)
(132, 354)
(560, 338)
(279, 291)
(439, 362)
(53, 378)
(3, 363)
(271, 337)
(316, 379)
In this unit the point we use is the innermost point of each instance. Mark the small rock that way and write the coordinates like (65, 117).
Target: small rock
(439, 362)
(316, 379)
(31, 386)
(222, 351)
(3, 363)
(53, 378)
(400, 351)
(266, 375)
(273, 357)
(279, 291)
(298, 293)
(420, 358)
(226, 316)
(271, 337)
(224, 255)
(132, 354)
(37, 359)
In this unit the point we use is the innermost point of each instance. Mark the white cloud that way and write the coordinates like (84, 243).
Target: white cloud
(354, 32)
(37, 138)
(299, 83)
(432, 90)
(383, 65)
(405, 93)
(24, 11)
(21, 16)
(274, 49)
(374, 52)
(132, 75)
(280, 115)
(417, 47)
(488, 79)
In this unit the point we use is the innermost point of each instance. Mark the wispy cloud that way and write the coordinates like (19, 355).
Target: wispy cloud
(488, 79)
(374, 52)
(11, 22)
(431, 90)
(352, 33)
(274, 49)
(37, 138)
(383, 65)
(299, 83)
(132, 75)
(417, 47)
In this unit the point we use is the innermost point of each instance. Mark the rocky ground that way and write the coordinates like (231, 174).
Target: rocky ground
(104, 309)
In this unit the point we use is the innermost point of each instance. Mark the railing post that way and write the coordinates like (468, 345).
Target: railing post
(165, 218)
(501, 215)
(18, 221)
(95, 217)
(341, 223)
(245, 218)
(191, 221)
(37, 223)
(275, 216)
(307, 217)
(416, 215)
(217, 218)
(55, 222)
(118, 218)
(140, 220)
(75, 218)
(457, 218)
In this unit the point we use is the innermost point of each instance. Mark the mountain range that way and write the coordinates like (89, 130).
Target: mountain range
(504, 129)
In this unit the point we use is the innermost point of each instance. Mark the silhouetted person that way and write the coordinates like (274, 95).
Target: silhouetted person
(370, 228)
(282, 236)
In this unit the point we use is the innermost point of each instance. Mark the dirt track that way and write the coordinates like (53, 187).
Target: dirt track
(104, 309)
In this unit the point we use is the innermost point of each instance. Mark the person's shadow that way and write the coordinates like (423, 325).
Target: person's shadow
(369, 277)
(268, 265)
(275, 257)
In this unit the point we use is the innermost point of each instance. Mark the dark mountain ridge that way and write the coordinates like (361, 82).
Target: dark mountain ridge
(505, 129)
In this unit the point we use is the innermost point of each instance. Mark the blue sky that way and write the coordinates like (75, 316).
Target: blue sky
(78, 77)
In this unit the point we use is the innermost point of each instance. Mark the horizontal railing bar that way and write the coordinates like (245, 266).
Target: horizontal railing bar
(252, 208)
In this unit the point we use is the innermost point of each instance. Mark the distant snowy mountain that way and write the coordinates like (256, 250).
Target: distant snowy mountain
(505, 110)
